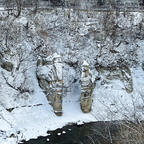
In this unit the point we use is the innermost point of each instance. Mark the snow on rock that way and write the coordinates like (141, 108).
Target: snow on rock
(63, 132)
(85, 64)
(22, 21)
(58, 134)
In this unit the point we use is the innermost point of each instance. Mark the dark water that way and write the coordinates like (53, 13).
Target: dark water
(91, 133)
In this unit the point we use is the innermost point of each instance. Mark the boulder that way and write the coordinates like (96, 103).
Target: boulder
(7, 65)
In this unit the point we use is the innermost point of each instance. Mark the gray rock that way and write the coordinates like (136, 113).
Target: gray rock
(7, 65)
(122, 73)
(86, 88)
(127, 79)
(1, 58)
(143, 66)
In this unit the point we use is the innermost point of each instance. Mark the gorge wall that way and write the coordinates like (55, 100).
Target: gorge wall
(111, 42)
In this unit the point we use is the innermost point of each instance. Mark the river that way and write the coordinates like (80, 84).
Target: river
(93, 133)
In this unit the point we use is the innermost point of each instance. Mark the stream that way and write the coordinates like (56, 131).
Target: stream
(90, 133)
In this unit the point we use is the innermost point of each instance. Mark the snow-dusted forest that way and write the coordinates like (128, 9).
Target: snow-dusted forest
(61, 65)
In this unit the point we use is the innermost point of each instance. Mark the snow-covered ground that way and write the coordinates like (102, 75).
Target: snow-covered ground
(36, 117)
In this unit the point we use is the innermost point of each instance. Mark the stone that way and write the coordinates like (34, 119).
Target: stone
(49, 74)
(57, 105)
(1, 58)
(142, 65)
(7, 66)
(39, 62)
(122, 73)
(127, 79)
(86, 88)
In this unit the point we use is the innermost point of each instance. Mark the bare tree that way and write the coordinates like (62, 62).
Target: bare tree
(11, 5)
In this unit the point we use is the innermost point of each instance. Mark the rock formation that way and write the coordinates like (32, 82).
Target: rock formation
(5, 64)
(86, 88)
(49, 73)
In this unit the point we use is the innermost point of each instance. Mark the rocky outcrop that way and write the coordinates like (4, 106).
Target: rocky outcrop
(122, 73)
(127, 79)
(6, 65)
(49, 74)
(86, 88)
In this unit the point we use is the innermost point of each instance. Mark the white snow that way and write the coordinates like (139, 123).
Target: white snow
(63, 132)
(58, 134)
(85, 63)
(22, 21)
(58, 67)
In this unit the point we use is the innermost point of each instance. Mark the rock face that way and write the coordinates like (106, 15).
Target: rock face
(86, 88)
(49, 74)
(6, 65)
(122, 73)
